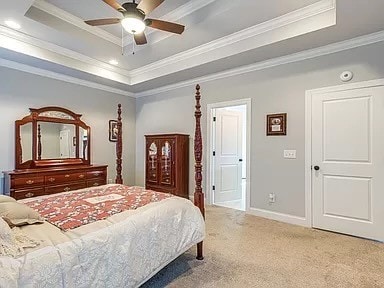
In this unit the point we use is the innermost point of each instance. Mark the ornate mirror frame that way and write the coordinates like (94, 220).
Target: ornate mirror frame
(54, 115)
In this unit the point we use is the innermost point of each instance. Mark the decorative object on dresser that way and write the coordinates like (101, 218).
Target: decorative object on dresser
(167, 163)
(52, 155)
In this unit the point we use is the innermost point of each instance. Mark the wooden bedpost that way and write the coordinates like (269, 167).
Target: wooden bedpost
(38, 142)
(119, 147)
(198, 149)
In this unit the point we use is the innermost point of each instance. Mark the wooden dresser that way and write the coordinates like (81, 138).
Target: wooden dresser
(26, 183)
(167, 163)
(52, 155)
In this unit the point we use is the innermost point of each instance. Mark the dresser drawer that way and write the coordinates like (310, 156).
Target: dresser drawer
(65, 188)
(96, 182)
(25, 182)
(28, 193)
(64, 178)
(96, 174)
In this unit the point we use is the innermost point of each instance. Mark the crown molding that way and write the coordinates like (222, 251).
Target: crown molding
(296, 57)
(25, 44)
(175, 15)
(305, 55)
(73, 20)
(299, 20)
(61, 77)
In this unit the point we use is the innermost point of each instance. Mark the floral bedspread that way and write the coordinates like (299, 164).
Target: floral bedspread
(71, 210)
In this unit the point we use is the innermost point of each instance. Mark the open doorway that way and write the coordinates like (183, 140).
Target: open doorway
(229, 154)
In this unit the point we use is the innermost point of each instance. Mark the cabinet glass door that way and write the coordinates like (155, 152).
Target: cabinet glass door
(166, 165)
(152, 162)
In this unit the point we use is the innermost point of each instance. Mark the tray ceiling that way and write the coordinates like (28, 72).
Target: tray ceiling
(220, 35)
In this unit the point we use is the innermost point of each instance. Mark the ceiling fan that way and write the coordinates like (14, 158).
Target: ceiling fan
(135, 21)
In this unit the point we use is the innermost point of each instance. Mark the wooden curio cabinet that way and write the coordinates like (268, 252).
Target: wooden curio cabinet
(167, 163)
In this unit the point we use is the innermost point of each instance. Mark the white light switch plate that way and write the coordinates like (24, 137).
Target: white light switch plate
(290, 154)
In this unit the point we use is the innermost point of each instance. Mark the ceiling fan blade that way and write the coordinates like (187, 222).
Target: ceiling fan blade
(165, 26)
(99, 22)
(149, 5)
(115, 5)
(140, 39)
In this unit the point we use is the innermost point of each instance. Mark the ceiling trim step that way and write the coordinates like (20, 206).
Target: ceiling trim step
(307, 19)
(296, 57)
(61, 77)
(71, 19)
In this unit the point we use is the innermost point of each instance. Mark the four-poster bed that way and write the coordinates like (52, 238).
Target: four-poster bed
(198, 154)
(124, 249)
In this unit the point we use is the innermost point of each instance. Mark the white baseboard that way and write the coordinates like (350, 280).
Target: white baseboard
(291, 219)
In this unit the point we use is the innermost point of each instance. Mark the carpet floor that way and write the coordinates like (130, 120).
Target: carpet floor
(247, 251)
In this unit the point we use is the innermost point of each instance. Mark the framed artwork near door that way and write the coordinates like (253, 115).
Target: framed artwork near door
(277, 124)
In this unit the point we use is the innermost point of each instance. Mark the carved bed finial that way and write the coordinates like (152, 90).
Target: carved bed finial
(198, 149)
(119, 147)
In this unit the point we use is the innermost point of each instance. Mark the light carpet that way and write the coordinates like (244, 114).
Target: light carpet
(247, 251)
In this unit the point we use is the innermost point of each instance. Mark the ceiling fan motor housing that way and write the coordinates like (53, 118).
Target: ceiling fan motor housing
(132, 11)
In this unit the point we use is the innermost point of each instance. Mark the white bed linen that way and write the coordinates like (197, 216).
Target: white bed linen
(124, 250)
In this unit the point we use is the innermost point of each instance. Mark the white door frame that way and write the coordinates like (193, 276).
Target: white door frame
(309, 94)
(209, 158)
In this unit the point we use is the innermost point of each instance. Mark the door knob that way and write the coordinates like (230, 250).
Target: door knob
(240, 160)
(316, 168)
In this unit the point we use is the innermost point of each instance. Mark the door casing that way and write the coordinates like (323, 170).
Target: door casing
(209, 158)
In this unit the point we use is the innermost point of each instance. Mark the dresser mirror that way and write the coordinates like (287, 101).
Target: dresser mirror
(51, 136)
(26, 141)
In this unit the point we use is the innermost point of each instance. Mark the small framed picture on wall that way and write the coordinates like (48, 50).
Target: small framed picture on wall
(113, 130)
(277, 124)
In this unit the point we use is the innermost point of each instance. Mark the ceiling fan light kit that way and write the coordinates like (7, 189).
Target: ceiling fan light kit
(134, 21)
(133, 25)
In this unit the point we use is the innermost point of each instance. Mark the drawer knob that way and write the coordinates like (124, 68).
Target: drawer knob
(30, 181)
(95, 184)
(97, 174)
(66, 189)
(81, 176)
(29, 194)
(67, 175)
(51, 179)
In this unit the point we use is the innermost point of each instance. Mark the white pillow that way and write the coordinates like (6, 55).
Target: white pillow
(5, 198)
(19, 214)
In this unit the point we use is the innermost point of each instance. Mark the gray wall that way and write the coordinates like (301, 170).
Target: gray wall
(273, 90)
(19, 91)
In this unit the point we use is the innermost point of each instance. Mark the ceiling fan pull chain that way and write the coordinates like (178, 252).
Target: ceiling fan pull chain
(122, 41)
(133, 44)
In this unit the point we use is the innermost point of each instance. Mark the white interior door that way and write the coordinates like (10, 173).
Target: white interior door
(64, 144)
(348, 162)
(228, 153)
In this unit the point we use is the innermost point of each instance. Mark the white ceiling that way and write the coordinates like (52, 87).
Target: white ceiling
(220, 35)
